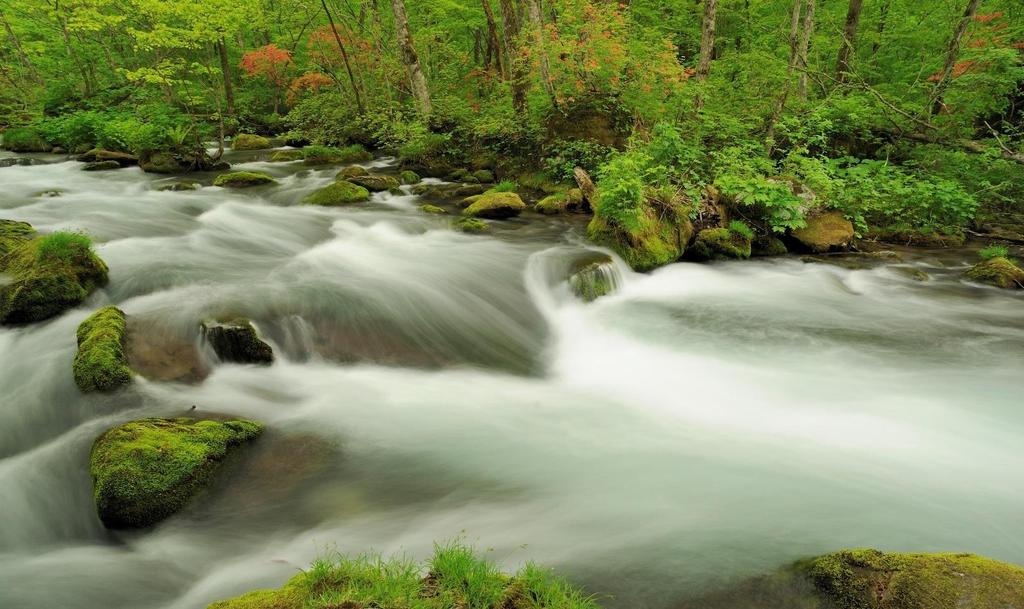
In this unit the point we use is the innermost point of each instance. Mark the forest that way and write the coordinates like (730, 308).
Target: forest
(373, 303)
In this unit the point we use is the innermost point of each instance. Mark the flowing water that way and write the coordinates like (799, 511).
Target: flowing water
(705, 424)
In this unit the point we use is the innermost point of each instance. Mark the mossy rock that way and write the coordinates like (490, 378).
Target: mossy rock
(552, 205)
(243, 179)
(101, 363)
(236, 341)
(98, 155)
(324, 155)
(458, 175)
(826, 232)
(720, 244)
(286, 156)
(659, 237)
(248, 141)
(375, 183)
(468, 190)
(12, 235)
(101, 166)
(768, 246)
(495, 206)
(352, 171)
(484, 176)
(162, 163)
(471, 225)
(432, 209)
(183, 186)
(999, 272)
(145, 471)
(869, 579)
(339, 193)
(594, 280)
(409, 177)
(45, 285)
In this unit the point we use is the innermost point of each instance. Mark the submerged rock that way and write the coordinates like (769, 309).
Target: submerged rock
(869, 579)
(375, 183)
(21, 162)
(101, 166)
(826, 232)
(495, 206)
(286, 156)
(432, 209)
(594, 280)
(471, 225)
(339, 193)
(183, 186)
(243, 179)
(999, 272)
(49, 275)
(145, 471)
(162, 353)
(720, 244)
(659, 237)
(101, 363)
(409, 177)
(236, 341)
(248, 141)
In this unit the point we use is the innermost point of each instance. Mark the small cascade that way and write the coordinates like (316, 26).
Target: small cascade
(595, 279)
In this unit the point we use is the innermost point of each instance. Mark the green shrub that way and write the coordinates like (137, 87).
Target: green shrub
(994, 251)
(25, 139)
(622, 181)
(504, 186)
(740, 228)
(564, 156)
(772, 199)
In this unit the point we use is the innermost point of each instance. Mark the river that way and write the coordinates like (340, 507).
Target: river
(704, 424)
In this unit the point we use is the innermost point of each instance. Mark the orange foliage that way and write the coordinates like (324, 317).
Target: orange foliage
(310, 82)
(269, 62)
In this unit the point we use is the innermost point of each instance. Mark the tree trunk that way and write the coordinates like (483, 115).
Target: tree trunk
(417, 81)
(537, 21)
(513, 25)
(494, 44)
(848, 43)
(344, 57)
(225, 69)
(952, 54)
(707, 47)
(794, 58)
(805, 45)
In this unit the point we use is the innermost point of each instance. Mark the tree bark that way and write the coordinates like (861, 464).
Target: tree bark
(952, 55)
(794, 58)
(513, 26)
(537, 21)
(225, 69)
(848, 43)
(707, 46)
(805, 45)
(344, 57)
(493, 42)
(417, 81)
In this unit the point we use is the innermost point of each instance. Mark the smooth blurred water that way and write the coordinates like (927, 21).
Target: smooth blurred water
(705, 424)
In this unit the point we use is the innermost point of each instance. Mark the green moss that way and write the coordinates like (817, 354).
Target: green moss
(339, 193)
(825, 232)
(552, 205)
(50, 275)
(483, 176)
(375, 183)
(325, 155)
(248, 141)
(144, 471)
(471, 225)
(869, 579)
(286, 156)
(721, 244)
(13, 234)
(352, 171)
(999, 271)
(495, 205)
(593, 281)
(432, 209)
(660, 237)
(769, 246)
(455, 577)
(101, 363)
(243, 179)
(409, 177)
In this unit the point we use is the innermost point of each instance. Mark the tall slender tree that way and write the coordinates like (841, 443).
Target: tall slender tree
(952, 56)
(707, 45)
(805, 45)
(848, 44)
(513, 25)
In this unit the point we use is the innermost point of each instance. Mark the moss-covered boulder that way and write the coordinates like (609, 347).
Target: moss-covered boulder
(182, 186)
(553, 205)
(765, 246)
(409, 177)
(352, 171)
(162, 163)
(432, 209)
(483, 176)
(236, 341)
(48, 275)
(101, 363)
(101, 166)
(472, 226)
(594, 280)
(326, 155)
(243, 179)
(339, 193)
(869, 579)
(286, 156)
(468, 190)
(375, 183)
(720, 244)
(99, 155)
(248, 141)
(998, 271)
(495, 206)
(13, 234)
(145, 471)
(657, 235)
(825, 232)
